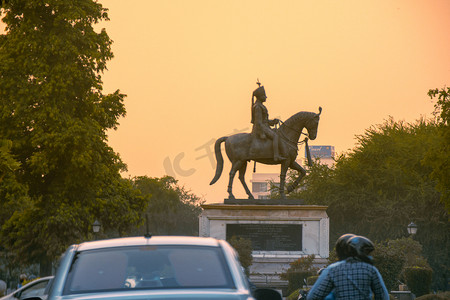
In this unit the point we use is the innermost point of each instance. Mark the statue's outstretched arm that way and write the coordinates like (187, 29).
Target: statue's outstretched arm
(274, 122)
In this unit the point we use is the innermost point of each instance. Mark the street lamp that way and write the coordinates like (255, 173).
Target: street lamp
(412, 228)
(96, 228)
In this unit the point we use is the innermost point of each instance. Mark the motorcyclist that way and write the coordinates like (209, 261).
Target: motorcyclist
(352, 278)
(343, 252)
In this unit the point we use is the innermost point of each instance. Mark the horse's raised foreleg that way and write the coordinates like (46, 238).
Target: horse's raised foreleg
(284, 168)
(294, 165)
(242, 179)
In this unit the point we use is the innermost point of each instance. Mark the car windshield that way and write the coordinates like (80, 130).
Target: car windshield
(148, 267)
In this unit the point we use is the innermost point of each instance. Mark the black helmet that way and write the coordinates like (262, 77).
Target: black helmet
(342, 249)
(361, 247)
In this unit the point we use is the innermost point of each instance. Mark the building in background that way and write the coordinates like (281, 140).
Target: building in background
(261, 184)
(261, 181)
(324, 153)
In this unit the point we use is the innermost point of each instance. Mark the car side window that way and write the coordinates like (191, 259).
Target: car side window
(34, 290)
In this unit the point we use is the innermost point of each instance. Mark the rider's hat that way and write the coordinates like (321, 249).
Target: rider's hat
(259, 92)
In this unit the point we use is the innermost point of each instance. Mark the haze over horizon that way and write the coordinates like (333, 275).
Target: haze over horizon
(189, 69)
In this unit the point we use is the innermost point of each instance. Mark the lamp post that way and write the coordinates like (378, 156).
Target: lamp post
(412, 229)
(96, 228)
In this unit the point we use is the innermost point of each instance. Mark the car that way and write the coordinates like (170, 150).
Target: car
(153, 267)
(38, 287)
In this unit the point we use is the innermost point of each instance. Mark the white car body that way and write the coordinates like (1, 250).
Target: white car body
(176, 267)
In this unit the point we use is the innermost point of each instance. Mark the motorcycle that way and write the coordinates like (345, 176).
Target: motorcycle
(303, 292)
(302, 295)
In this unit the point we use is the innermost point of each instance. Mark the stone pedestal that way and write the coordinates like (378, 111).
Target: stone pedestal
(280, 231)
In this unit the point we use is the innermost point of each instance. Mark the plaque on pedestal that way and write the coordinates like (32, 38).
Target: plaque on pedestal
(280, 233)
(268, 237)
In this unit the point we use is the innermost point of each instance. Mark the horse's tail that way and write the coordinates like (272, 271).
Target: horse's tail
(219, 159)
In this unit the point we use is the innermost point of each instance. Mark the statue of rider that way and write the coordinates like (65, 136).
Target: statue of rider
(261, 122)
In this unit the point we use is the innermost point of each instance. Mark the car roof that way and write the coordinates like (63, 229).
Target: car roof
(144, 241)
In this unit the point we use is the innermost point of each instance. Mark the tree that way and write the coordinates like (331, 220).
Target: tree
(383, 184)
(438, 156)
(12, 193)
(297, 273)
(418, 280)
(56, 116)
(392, 257)
(7, 162)
(244, 248)
(171, 209)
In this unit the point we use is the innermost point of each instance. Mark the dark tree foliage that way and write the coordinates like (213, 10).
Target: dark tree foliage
(418, 280)
(53, 111)
(392, 257)
(381, 186)
(390, 262)
(438, 156)
(171, 210)
(7, 162)
(297, 273)
(12, 192)
(244, 248)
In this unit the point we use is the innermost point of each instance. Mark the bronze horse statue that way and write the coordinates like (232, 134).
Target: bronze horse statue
(241, 148)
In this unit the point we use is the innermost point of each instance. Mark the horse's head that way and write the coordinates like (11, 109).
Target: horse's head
(312, 125)
(292, 128)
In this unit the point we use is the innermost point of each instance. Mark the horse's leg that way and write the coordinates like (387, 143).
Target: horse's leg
(235, 165)
(294, 165)
(242, 170)
(284, 168)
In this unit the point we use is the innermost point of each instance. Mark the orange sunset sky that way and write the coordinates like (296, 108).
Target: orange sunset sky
(189, 68)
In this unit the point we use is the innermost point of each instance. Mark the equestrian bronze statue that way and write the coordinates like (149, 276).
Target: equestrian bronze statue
(266, 145)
